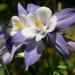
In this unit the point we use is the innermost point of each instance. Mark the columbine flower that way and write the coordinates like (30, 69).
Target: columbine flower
(40, 23)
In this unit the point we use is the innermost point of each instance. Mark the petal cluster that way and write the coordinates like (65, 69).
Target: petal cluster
(34, 24)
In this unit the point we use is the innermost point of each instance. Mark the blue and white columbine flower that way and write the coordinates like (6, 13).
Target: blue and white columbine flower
(33, 26)
(41, 23)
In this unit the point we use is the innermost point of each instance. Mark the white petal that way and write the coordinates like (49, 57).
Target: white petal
(32, 17)
(44, 13)
(50, 26)
(23, 19)
(40, 36)
(21, 10)
(17, 24)
(15, 19)
(28, 32)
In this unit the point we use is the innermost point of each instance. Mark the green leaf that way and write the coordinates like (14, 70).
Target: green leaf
(56, 73)
(2, 72)
(62, 67)
(3, 7)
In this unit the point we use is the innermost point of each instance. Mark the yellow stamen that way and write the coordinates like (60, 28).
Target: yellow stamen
(19, 25)
(39, 25)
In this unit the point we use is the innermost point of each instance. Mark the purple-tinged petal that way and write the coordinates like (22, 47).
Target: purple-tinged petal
(31, 45)
(2, 41)
(32, 7)
(40, 46)
(21, 10)
(6, 58)
(14, 49)
(1, 36)
(59, 43)
(31, 57)
(3, 47)
(18, 38)
(33, 52)
(52, 38)
(65, 23)
(71, 45)
(65, 13)
(65, 18)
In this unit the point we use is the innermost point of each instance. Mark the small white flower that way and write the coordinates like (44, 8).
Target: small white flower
(18, 23)
(41, 22)
(36, 24)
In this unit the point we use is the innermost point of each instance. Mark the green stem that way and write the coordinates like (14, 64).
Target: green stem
(49, 68)
(5, 67)
(48, 64)
(59, 6)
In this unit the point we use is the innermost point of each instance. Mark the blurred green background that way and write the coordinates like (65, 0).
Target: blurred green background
(49, 64)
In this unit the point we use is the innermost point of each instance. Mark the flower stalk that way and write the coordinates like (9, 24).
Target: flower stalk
(48, 61)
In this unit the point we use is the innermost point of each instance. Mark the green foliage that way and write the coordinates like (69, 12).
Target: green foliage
(2, 72)
(3, 7)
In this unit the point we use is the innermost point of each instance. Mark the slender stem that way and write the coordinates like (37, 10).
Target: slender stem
(49, 69)
(59, 6)
(3, 64)
(5, 67)
(48, 63)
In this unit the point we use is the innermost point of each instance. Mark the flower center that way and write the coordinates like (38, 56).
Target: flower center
(39, 25)
(19, 25)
